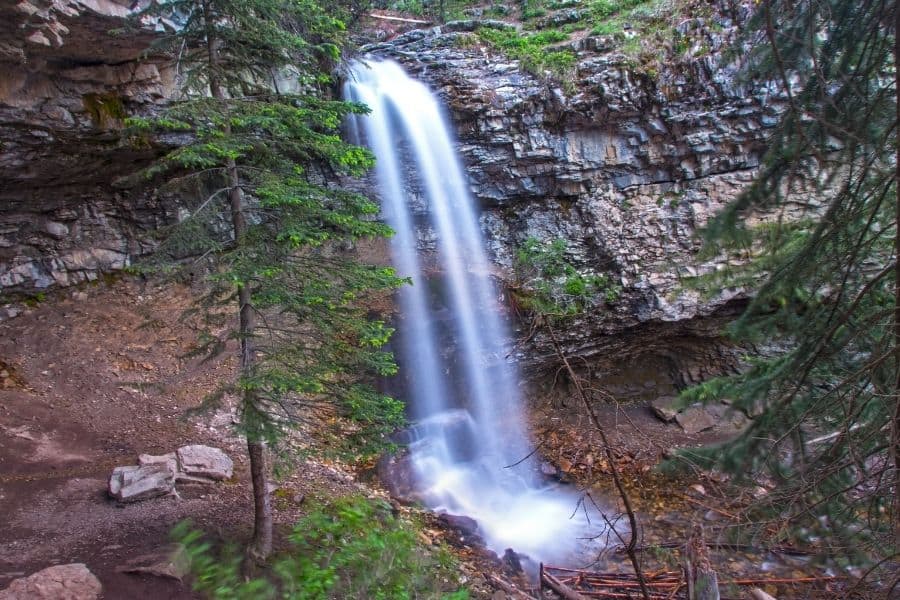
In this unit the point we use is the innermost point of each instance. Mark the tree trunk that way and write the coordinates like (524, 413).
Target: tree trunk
(261, 545)
(895, 424)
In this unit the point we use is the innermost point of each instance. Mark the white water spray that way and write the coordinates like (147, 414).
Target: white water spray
(469, 435)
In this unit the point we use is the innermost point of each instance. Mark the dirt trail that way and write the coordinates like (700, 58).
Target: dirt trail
(89, 380)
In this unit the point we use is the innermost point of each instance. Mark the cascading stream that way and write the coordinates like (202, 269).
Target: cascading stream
(469, 426)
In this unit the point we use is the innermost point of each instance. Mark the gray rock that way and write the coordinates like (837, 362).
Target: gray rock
(727, 418)
(695, 419)
(167, 459)
(465, 525)
(56, 230)
(664, 408)
(62, 582)
(171, 562)
(204, 461)
(135, 483)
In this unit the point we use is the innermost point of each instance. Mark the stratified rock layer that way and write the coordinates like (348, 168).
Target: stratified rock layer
(625, 166)
(69, 80)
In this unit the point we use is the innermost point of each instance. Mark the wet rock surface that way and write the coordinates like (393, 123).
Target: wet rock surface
(624, 165)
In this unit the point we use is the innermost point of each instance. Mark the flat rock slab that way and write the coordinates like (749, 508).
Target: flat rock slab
(167, 459)
(204, 461)
(62, 582)
(171, 562)
(135, 483)
(695, 419)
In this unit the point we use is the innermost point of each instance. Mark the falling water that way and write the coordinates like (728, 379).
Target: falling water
(469, 434)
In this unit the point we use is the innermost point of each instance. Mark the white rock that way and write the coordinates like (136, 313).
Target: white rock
(62, 582)
(167, 459)
(204, 461)
(131, 484)
(57, 230)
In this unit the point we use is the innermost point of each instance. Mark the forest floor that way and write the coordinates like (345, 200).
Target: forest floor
(88, 383)
(91, 378)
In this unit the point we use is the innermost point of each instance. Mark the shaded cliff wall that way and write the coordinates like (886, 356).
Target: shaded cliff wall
(70, 76)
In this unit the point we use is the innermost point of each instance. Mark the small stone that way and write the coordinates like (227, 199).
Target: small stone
(56, 230)
(167, 459)
(463, 524)
(664, 408)
(548, 469)
(171, 562)
(62, 582)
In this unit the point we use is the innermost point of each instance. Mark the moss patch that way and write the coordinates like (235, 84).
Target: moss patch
(107, 111)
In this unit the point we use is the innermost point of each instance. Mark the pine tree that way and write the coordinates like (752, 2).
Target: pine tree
(270, 227)
(829, 397)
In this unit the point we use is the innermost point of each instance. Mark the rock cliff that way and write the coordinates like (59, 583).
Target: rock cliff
(70, 76)
(625, 165)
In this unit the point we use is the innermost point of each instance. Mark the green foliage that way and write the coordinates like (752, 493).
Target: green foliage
(533, 50)
(33, 300)
(603, 9)
(351, 548)
(549, 285)
(305, 329)
(828, 387)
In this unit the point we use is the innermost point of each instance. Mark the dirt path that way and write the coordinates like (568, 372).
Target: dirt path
(88, 381)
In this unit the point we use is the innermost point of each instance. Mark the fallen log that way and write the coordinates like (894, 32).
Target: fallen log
(507, 587)
(559, 587)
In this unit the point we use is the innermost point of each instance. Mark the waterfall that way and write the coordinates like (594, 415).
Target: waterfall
(469, 437)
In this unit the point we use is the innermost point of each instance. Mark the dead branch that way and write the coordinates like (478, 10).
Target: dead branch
(607, 449)
(507, 587)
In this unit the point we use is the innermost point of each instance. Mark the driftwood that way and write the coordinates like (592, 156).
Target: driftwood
(758, 594)
(399, 19)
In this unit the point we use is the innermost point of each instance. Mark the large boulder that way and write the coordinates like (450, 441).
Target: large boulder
(193, 468)
(62, 582)
(204, 461)
(135, 483)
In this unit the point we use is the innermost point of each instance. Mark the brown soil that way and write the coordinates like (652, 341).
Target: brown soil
(92, 378)
(87, 384)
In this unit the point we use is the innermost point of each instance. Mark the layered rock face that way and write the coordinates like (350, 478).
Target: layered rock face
(71, 73)
(625, 167)
(623, 164)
